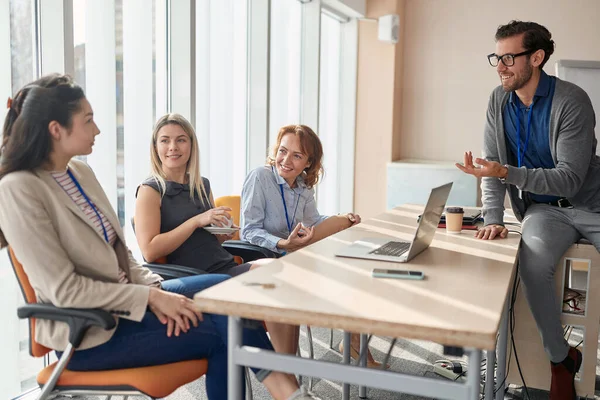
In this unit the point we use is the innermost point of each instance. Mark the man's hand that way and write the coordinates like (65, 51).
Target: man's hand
(490, 232)
(486, 168)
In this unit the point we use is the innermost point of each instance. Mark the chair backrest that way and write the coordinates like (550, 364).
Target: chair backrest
(160, 260)
(232, 202)
(35, 349)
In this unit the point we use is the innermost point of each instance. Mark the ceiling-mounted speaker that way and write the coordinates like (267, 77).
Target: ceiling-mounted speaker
(389, 28)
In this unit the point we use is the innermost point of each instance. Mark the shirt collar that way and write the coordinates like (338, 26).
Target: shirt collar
(542, 90)
(280, 181)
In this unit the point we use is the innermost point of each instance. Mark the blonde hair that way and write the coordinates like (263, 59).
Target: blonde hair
(311, 146)
(192, 169)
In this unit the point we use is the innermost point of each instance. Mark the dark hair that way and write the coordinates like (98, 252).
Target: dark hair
(26, 142)
(311, 146)
(536, 37)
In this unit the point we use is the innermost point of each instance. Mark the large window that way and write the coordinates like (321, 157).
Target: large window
(237, 69)
(23, 56)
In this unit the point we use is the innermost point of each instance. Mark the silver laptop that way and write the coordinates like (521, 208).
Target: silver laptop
(401, 251)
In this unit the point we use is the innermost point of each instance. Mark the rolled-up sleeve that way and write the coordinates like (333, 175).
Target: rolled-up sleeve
(253, 213)
(311, 214)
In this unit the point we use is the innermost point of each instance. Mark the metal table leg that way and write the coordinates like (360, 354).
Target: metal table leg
(346, 360)
(474, 374)
(362, 390)
(235, 372)
(489, 374)
(502, 348)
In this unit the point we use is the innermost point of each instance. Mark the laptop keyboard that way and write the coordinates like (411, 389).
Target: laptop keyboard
(393, 249)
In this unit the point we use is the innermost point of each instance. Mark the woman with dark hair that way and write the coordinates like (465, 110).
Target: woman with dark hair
(279, 210)
(80, 258)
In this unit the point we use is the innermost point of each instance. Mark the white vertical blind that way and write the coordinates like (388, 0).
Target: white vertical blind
(161, 36)
(285, 65)
(258, 82)
(329, 118)
(56, 38)
(347, 114)
(138, 100)
(182, 55)
(100, 84)
(309, 60)
(221, 93)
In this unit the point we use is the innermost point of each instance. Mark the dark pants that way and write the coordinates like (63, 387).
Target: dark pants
(145, 343)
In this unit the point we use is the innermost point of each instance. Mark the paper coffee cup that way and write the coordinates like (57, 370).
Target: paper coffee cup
(454, 219)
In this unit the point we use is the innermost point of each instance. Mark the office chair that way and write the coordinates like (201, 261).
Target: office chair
(234, 202)
(150, 382)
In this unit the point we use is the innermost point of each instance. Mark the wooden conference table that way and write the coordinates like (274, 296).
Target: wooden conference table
(461, 303)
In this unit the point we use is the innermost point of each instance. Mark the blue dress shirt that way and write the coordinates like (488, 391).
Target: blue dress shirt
(263, 220)
(537, 154)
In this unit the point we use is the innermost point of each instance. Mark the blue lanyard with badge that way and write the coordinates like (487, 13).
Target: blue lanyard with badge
(287, 218)
(89, 203)
(521, 157)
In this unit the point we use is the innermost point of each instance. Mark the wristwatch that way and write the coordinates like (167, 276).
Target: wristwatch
(503, 180)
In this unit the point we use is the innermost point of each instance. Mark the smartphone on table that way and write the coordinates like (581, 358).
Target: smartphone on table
(397, 274)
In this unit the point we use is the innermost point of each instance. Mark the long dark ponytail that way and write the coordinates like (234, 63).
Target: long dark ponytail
(26, 142)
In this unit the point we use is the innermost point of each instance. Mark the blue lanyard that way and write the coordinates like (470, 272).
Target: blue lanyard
(520, 157)
(287, 219)
(90, 204)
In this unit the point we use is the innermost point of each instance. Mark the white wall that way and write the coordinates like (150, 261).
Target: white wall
(447, 79)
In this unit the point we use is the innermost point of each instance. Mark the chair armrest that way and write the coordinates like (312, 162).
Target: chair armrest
(79, 320)
(248, 251)
(173, 271)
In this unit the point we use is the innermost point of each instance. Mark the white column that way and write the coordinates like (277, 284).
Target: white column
(138, 100)
(56, 36)
(162, 96)
(221, 93)
(347, 112)
(202, 44)
(182, 58)
(100, 83)
(259, 15)
(309, 80)
(329, 116)
(285, 55)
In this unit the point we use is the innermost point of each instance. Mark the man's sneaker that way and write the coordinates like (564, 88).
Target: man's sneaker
(303, 394)
(563, 376)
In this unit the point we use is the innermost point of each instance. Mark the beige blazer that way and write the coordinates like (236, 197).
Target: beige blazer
(69, 264)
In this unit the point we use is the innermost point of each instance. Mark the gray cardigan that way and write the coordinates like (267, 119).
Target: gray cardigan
(573, 147)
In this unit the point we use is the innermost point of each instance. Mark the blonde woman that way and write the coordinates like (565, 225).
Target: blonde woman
(176, 201)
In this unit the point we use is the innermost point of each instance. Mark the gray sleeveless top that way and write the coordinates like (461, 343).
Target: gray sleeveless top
(202, 250)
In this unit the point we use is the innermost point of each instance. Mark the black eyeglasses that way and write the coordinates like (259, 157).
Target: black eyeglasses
(507, 59)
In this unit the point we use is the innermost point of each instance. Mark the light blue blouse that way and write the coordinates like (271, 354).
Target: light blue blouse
(262, 217)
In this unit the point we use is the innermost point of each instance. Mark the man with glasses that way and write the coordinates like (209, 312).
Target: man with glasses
(540, 146)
